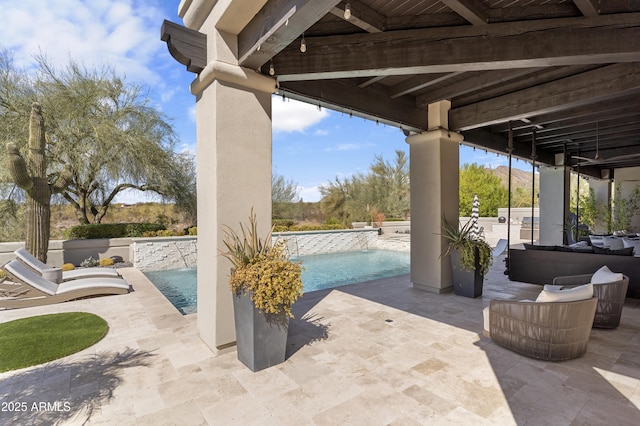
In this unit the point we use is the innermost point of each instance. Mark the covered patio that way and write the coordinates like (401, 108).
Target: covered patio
(555, 82)
(375, 353)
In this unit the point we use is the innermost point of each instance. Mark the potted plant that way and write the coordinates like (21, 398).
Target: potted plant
(265, 284)
(470, 259)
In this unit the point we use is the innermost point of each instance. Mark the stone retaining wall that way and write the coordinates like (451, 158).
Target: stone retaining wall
(316, 242)
(156, 254)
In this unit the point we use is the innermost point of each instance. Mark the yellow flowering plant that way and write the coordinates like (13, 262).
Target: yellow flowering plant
(262, 269)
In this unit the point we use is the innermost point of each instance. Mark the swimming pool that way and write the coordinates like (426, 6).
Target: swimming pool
(321, 271)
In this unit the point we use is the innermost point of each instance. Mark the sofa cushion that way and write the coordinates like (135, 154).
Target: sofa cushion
(614, 243)
(528, 246)
(566, 295)
(635, 244)
(618, 252)
(604, 275)
(485, 317)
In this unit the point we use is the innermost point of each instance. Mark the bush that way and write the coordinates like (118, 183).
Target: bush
(166, 233)
(283, 222)
(105, 261)
(111, 230)
(193, 230)
(68, 267)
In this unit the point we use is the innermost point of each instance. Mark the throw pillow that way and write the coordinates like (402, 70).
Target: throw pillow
(596, 240)
(604, 276)
(632, 243)
(569, 295)
(613, 243)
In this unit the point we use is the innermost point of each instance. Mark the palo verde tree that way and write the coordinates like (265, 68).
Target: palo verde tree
(477, 180)
(106, 129)
(31, 176)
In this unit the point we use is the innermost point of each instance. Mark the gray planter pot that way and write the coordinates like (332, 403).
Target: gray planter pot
(261, 338)
(466, 283)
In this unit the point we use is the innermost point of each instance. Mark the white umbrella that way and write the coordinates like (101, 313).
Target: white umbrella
(475, 214)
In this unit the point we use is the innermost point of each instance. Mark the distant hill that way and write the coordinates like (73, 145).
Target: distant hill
(519, 178)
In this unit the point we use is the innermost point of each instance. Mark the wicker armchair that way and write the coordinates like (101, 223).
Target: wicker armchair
(550, 331)
(610, 296)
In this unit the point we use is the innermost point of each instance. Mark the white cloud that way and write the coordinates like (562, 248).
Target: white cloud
(341, 147)
(293, 116)
(192, 113)
(121, 33)
(310, 195)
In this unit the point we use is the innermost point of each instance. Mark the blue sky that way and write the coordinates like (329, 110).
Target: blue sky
(310, 146)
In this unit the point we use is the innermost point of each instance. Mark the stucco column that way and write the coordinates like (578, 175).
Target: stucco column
(554, 204)
(602, 195)
(233, 150)
(434, 173)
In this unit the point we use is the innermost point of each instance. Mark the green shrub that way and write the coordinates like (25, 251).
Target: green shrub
(283, 222)
(166, 233)
(280, 228)
(193, 230)
(111, 230)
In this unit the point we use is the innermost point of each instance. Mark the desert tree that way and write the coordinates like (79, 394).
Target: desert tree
(104, 127)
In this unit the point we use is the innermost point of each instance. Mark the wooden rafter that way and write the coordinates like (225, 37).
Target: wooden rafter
(349, 97)
(587, 7)
(277, 24)
(419, 82)
(471, 10)
(362, 16)
(600, 84)
(602, 39)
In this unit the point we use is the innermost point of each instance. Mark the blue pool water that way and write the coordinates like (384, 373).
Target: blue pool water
(321, 272)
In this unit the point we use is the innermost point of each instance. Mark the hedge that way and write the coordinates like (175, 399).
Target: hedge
(111, 230)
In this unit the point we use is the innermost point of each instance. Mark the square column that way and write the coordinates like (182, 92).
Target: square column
(434, 174)
(602, 195)
(554, 204)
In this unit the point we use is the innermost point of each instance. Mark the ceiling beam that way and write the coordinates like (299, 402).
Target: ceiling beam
(600, 84)
(527, 44)
(368, 103)
(277, 24)
(472, 84)
(587, 7)
(596, 111)
(187, 46)
(541, 76)
(470, 10)
(418, 83)
(499, 143)
(362, 16)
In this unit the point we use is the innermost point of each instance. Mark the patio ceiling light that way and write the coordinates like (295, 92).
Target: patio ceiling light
(347, 11)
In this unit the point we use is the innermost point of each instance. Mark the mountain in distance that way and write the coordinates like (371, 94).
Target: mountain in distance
(519, 178)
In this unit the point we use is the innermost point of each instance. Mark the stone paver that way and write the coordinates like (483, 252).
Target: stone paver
(377, 353)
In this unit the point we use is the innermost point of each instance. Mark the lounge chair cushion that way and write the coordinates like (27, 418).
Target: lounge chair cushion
(605, 276)
(565, 295)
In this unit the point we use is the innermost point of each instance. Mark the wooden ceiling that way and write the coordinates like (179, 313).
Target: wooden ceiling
(567, 69)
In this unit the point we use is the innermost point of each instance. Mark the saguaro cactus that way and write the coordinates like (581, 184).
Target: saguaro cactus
(32, 177)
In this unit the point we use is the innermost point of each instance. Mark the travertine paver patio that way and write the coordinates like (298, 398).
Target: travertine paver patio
(369, 354)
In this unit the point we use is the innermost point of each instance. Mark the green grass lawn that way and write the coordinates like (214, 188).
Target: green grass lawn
(31, 341)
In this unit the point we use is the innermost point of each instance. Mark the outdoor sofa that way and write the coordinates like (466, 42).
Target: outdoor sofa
(544, 263)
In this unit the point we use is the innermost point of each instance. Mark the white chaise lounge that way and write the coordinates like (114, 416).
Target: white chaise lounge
(45, 292)
(58, 275)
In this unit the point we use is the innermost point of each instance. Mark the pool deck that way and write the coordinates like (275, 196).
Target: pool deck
(378, 353)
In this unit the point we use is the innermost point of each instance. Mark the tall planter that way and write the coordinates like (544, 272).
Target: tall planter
(261, 338)
(466, 283)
